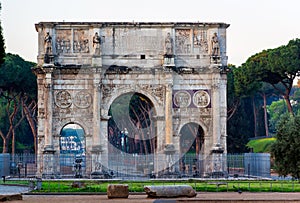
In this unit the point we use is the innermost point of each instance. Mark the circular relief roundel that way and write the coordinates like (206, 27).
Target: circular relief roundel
(182, 99)
(83, 99)
(201, 99)
(63, 99)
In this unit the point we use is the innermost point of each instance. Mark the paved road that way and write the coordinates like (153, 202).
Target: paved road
(9, 189)
(201, 197)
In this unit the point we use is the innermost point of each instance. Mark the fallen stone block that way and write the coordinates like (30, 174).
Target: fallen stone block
(170, 191)
(11, 197)
(117, 191)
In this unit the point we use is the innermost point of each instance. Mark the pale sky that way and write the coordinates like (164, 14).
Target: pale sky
(254, 24)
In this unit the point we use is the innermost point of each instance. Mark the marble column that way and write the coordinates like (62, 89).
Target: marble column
(48, 110)
(48, 153)
(168, 115)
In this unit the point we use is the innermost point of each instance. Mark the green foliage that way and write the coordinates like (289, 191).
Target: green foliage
(261, 145)
(97, 186)
(278, 67)
(275, 111)
(17, 84)
(286, 149)
(16, 75)
(2, 46)
(240, 128)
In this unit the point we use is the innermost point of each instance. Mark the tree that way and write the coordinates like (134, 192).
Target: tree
(18, 96)
(286, 149)
(2, 46)
(238, 114)
(278, 67)
(134, 112)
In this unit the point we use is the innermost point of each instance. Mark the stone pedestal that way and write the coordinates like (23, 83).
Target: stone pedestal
(96, 159)
(169, 151)
(48, 162)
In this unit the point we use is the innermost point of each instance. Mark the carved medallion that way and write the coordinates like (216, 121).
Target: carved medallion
(201, 99)
(63, 99)
(83, 99)
(182, 99)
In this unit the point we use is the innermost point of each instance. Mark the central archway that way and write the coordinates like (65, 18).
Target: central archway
(131, 132)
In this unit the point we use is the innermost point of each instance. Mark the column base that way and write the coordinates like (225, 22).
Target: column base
(217, 149)
(169, 149)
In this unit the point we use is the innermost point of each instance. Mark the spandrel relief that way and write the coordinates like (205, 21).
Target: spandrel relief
(81, 41)
(63, 41)
(183, 41)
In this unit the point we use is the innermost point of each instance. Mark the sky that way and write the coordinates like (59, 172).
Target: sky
(255, 25)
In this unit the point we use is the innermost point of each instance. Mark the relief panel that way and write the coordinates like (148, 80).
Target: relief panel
(183, 41)
(81, 41)
(200, 40)
(63, 41)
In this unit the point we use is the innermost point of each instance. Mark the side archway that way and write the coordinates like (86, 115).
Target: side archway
(72, 149)
(191, 148)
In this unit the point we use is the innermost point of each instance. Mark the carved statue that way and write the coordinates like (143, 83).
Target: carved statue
(48, 43)
(169, 46)
(96, 43)
(215, 45)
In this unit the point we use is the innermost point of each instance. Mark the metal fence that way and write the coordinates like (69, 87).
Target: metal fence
(144, 167)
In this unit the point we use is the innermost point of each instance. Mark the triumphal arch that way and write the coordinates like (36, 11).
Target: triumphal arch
(136, 93)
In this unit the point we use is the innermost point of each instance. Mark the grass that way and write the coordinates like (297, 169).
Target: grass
(261, 145)
(94, 186)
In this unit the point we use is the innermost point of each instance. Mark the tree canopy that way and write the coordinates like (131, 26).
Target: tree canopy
(18, 90)
(2, 45)
(286, 149)
(278, 67)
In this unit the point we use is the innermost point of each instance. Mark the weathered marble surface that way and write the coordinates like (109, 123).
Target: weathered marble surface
(117, 191)
(170, 191)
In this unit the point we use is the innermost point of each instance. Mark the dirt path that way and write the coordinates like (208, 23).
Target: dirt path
(201, 197)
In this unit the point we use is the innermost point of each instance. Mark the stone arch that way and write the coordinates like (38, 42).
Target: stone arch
(153, 99)
(191, 146)
(85, 128)
(72, 149)
(136, 126)
(200, 135)
(200, 123)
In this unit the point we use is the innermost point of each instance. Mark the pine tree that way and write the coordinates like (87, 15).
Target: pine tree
(2, 45)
